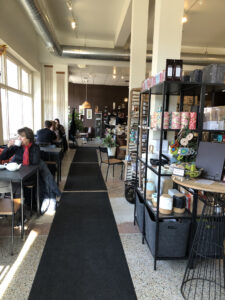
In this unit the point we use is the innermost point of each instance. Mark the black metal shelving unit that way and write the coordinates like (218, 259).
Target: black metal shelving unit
(167, 89)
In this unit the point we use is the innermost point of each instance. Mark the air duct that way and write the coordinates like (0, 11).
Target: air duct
(42, 25)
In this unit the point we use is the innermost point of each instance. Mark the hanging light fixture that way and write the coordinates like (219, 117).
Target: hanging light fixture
(86, 104)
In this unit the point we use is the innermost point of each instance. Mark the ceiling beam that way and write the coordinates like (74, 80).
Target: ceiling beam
(124, 25)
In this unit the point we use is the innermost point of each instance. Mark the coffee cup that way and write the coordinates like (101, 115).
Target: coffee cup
(18, 143)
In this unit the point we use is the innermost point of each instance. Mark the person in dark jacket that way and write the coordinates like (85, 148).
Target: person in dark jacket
(46, 135)
(28, 153)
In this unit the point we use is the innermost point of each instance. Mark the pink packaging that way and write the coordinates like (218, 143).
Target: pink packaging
(193, 120)
(175, 123)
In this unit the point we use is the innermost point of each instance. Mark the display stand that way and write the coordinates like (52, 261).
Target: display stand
(132, 127)
(166, 89)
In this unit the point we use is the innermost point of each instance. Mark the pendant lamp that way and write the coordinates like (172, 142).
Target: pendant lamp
(86, 104)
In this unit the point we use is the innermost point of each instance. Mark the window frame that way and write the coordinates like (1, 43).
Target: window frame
(4, 85)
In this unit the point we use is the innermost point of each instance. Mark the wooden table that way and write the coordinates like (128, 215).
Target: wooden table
(21, 175)
(214, 187)
(194, 185)
(56, 154)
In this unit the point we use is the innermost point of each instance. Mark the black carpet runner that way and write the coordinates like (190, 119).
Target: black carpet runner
(87, 177)
(85, 154)
(83, 258)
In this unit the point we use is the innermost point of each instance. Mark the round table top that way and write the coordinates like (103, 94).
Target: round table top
(201, 184)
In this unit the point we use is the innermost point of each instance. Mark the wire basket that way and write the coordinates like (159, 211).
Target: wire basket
(204, 277)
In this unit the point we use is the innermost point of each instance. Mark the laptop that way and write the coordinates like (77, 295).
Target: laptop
(211, 157)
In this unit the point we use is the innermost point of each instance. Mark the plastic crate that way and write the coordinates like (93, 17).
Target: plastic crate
(214, 73)
(139, 212)
(173, 237)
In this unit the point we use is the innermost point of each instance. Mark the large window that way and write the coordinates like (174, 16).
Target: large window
(16, 97)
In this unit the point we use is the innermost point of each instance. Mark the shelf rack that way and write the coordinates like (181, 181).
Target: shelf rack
(167, 89)
(132, 127)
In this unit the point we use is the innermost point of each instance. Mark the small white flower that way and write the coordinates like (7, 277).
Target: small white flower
(190, 136)
(184, 141)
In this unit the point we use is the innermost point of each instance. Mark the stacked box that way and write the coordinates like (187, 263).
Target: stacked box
(214, 73)
(214, 118)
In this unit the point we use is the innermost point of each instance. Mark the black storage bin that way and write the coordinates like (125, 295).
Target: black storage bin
(196, 76)
(139, 212)
(214, 73)
(173, 236)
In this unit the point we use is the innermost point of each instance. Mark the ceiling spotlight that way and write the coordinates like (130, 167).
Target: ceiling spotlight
(125, 99)
(122, 77)
(114, 76)
(69, 5)
(200, 2)
(184, 19)
(73, 24)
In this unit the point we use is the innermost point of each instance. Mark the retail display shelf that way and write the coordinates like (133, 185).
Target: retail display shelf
(154, 169)
(174, 88)
(144, 127)
(173, 215)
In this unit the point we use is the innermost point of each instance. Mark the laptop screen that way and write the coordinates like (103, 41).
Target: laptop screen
(211, 157)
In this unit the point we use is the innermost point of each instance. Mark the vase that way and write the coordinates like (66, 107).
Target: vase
(111, 151)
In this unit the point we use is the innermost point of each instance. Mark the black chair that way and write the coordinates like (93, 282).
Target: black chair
(9, 206)
(109, 161)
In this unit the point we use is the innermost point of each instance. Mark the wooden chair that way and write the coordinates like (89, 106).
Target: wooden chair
(9, 206)
(109, 161)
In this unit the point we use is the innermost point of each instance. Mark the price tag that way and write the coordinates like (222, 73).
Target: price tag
(178, 172)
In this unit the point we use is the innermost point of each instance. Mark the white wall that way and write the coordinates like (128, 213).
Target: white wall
(17, 32)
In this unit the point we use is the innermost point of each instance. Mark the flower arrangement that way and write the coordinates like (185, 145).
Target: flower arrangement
(109, 142)
(184, 148)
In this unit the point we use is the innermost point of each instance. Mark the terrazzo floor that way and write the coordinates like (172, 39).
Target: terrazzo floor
(17, 272)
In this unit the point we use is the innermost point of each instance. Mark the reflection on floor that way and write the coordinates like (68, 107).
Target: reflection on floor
(17, 272)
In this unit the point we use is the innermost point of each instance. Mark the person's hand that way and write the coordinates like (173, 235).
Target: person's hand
(10, 143)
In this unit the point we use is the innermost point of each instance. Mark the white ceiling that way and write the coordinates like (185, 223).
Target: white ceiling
(106, 23)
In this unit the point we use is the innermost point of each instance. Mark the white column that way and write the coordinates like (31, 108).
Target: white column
(167, 39)
(167, 35)
(138, 45)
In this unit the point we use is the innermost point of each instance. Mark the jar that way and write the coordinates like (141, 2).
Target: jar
(179, 203)
(165, 204)
(154, 199)
(150, 189)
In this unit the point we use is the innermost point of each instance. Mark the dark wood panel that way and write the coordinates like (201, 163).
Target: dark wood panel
(97, 95)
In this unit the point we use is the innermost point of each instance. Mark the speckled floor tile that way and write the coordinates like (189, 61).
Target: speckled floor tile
(21, 282)
(163, 284)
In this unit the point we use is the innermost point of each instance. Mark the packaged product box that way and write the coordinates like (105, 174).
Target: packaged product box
(214, 73)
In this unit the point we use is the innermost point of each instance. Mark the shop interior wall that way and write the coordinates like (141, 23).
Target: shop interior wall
(97, 95)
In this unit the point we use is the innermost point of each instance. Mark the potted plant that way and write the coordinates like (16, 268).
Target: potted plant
(109, 142)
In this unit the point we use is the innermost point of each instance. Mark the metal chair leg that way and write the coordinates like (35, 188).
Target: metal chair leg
(12, 234)
(31, 201)
(113, 170)
(121, 176)
(107, 173)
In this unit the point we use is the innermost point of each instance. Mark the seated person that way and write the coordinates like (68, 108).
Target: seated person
(29, 154)
(57, 132)
(60, 127)
(46, 135)
(62, 134)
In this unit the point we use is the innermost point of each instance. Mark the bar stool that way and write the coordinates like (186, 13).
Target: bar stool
(204, 277)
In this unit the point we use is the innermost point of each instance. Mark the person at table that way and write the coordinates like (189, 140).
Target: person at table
(57, 132)
(46, 136)
(28, 153)
(60, 127)
(62, 134)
